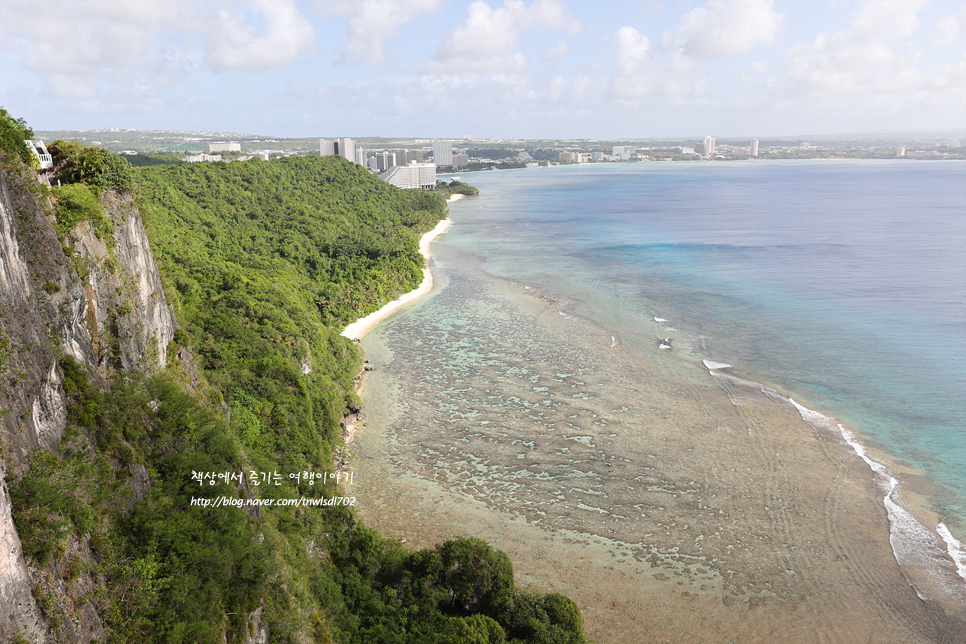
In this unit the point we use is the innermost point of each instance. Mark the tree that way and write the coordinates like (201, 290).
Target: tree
(13, 133)
(474, 572)
(98, 168)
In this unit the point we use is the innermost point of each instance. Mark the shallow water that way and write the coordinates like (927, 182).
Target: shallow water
(528, 400)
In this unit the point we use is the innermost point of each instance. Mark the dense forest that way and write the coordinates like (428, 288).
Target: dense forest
(263, 264)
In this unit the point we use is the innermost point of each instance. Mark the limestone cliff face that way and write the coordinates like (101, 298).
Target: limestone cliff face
(128, 315)
(105, 307)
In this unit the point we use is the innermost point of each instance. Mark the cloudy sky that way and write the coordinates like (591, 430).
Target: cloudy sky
(487, 68)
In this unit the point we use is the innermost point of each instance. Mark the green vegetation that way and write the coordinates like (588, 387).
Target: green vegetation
(166, 570)
(95, 167)
(455, 187)
(154, 158)
(13, 133)
(76, 203)
(506, 165)
(264, 263)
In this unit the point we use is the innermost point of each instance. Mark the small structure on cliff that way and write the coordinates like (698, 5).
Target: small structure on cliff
(39, 150)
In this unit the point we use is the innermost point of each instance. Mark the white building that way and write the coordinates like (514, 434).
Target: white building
(754, 147)
(40, 150)
(413, 175)
(221, 146)
(361, 156)
(709, 145)
(386, 160)
(203, 158)
(344, 148)
(443, 152)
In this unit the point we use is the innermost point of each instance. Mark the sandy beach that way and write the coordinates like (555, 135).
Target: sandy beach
(360, 327)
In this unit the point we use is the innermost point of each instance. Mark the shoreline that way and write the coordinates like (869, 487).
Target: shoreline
(359, 328)
(804, 497)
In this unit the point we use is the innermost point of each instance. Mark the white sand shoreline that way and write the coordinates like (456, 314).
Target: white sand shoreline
(360, 327)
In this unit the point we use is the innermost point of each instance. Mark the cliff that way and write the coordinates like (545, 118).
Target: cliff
(100, 303)
(112, 525)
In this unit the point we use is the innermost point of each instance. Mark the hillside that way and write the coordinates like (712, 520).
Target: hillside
(125, 379)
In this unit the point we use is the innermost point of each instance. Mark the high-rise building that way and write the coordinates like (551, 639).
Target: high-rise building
(361, 156)
(709, 145)
(754, 147)
(461, 160)
(385, 160)
(342, 147)
(443, 152)
(346, 149)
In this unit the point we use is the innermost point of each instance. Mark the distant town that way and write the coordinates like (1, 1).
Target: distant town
(414, 163)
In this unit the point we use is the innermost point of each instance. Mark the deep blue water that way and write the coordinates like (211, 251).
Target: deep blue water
(841, 282)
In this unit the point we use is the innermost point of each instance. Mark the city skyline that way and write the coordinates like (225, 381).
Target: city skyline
(554, 69)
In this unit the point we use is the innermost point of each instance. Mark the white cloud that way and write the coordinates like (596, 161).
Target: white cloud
(864, 58)
(949, 29)
(283, 36)
(870, 70)
(489, 31)
(83, 37)
(630, 49)
(508, 63)
(641, 72)
(122, 50)
(124, 39)
(889, 19)
(376, 20)
(759, 67)
(335, 8)
(557, 51)
(725, 28)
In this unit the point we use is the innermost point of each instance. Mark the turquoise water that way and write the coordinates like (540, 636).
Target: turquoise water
(842, 283)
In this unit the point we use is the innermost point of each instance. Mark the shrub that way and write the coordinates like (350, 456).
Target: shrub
(96, 167)
(77, 203)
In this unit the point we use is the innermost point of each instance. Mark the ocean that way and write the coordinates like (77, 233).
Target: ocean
(607, 341)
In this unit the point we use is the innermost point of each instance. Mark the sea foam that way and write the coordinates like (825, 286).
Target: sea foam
(955, 549)
(913, 544)
(712, 365)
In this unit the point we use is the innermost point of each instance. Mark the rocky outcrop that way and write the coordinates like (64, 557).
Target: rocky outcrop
(101, 303)
(128, 314)
(42, 305)
(20, 614)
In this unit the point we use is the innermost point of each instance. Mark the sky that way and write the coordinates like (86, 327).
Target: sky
(603, 69)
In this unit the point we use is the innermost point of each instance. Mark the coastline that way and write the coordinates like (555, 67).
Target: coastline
(359, 328)
(752, 519)
(751, 511)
